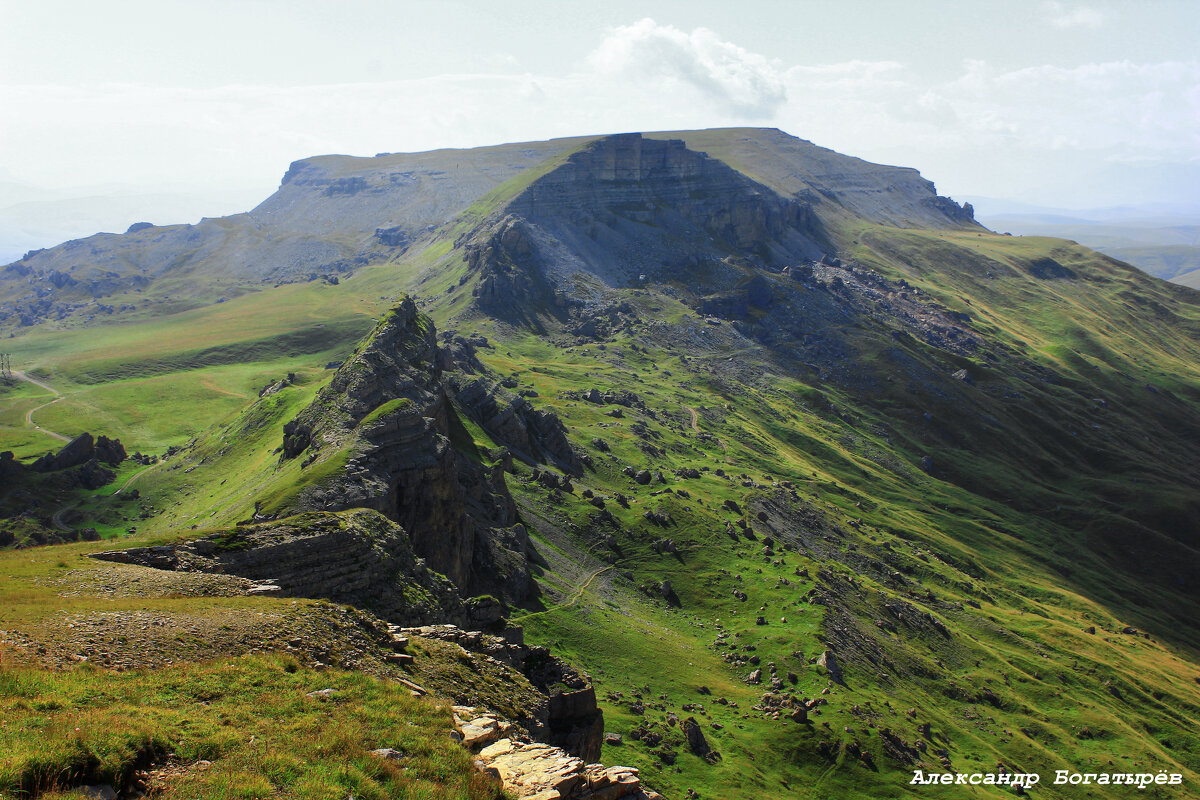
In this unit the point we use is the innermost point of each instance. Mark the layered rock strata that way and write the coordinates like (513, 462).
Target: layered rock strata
(624, 210)
(386, 413)
(357, 557)
(535, 770)
(570, 718)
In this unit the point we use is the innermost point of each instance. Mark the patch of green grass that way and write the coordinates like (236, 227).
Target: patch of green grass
(251, 717)
(27, 444)
(399, 404)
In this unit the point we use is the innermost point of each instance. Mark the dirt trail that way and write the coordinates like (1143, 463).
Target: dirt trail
(695, 418)
(211, 385)
(57, 519)
(134, 477)
(29, 414)
(587, 584)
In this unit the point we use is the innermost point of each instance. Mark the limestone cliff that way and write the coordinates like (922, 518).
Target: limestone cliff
(333, 215)
(627, 178)
(624, 210)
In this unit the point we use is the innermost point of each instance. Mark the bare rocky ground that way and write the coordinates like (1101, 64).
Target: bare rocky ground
(149, 639)
(540, 771)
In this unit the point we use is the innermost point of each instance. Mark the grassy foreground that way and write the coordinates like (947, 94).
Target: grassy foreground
(252, 727)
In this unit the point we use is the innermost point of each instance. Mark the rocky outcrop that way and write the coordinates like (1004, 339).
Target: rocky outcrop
(356, 557)
(536, 770)
(386, 413)
(9, 466)
(624, 210)
(627, 177)
(963, 214)
(80, 450)
(512, 284)
(696, 741)
(512, 420)
(83, 462)
(829, 661)
(570, 718)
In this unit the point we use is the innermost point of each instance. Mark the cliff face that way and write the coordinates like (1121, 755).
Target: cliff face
(386, 414)
(628, 178)
(836, 185)
(625, 210)
(358, 557)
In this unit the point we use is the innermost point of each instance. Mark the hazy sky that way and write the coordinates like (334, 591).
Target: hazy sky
(1053, 103)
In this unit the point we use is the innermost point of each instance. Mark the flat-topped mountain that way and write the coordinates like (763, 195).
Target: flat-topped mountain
(334, 214)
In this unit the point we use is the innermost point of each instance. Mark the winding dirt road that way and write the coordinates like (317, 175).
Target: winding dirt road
(29, 414)
(57, 518)
(134, 477)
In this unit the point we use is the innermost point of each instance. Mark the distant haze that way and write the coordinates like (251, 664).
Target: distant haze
(128, 111)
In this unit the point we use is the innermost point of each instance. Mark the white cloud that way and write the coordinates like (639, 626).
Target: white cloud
(1119, 106)
(736, 80)
(1063, 16)
(1038, 130)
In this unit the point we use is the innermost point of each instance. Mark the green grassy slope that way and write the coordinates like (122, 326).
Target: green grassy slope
(1024, 645)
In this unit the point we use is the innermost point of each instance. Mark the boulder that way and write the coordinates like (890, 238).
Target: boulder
(389, 754)
(82, 450)
(829, 661)
(696, 741)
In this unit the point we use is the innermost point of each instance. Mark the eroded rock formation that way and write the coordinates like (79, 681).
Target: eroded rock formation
(80, 450)
(387, 417)
(570, 718)
(357, 557)
(625, 209)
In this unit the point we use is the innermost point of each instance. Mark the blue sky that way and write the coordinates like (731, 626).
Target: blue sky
(1051, 103)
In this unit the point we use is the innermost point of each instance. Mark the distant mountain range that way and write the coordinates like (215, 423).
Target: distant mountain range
(32, 218)
(1162, 239)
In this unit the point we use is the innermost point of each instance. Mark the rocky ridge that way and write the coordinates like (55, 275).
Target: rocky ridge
(539, 771)
(570, 718)
(333, 215)
(358, 557)
(624, 210)
(387, 414)
(628, 212)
